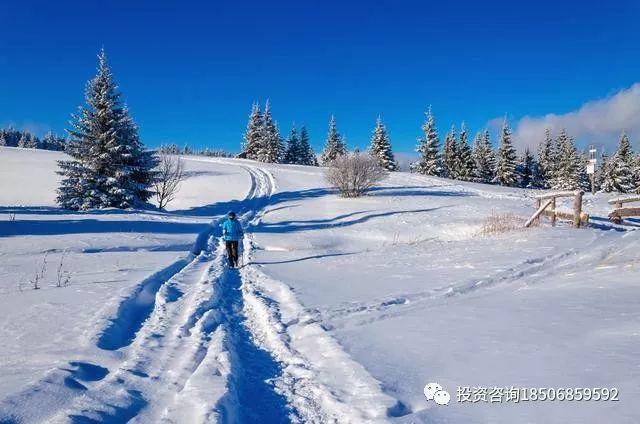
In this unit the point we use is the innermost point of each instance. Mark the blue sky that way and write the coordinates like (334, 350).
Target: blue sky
(190, 70)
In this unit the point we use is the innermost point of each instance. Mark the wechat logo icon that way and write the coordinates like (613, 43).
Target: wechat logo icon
(435, 392)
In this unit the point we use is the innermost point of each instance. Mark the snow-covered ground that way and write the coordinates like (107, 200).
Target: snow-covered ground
(344, 310)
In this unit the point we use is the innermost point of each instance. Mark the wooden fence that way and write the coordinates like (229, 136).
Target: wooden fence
(619, 212)
(546, 205)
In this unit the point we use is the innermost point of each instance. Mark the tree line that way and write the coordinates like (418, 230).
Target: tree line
(262, 142)
(11, 137)
(557, 164)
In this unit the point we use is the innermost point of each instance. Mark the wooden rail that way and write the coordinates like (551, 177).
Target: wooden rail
(619, 212)
(577, 217)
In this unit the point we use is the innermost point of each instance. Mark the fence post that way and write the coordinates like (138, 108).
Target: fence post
(577, 209)
(538, 204)
(553, 216)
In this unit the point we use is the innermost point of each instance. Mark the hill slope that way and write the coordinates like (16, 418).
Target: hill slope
(347, 307)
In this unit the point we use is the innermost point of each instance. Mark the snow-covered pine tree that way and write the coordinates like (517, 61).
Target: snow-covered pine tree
(109, 166)
(604, 178)
(380, 147)
(483, 157)
(335, 145)
(464, 163)
(506, 167)
(253, 136)
(132, 166)
(583, 177)
(449, 154)
(271, 147)
(3, 138)
(567, 164)
(49, 141)
(546, 159)
(292, 154)
(28, 141)
(429, 149)
(622, 164)
(307, 155)
(527, 169)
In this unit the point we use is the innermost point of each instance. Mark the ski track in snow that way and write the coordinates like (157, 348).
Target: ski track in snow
(198, 342)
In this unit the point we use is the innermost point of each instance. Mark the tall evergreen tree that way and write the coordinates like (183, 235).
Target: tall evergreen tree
(622, 166)
(546, 159)
(109, 166)
(449, 154)
(464, 163)
(506, 167)
(3, 138)
(429, 149)
(568, 164)
(380, 147)
(293, 153)
(28, 141)
(583, 177)
(307, 155)
(483, 157)
(335, 145)
(254, 135)
(604, 178)
(271, 146)
(527, 170)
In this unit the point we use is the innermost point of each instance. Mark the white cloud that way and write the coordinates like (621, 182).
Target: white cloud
(598, 121)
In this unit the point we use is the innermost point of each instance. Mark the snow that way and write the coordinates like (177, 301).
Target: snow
(344, 310)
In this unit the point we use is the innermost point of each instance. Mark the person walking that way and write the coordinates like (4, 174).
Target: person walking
(232, 233)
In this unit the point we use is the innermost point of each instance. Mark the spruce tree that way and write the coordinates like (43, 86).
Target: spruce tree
(583, 177)
(254, 134)
(622, 166)
(293, 154)
(109, 166)
(449, 154)
(429, 149)
(307, 155)
(604, 177)
(335, 145)
(527, 169)
(546, 160)
(483, 157)
(506, 167)
(464, 160)
(271, 146)
(380, 147)
(568, 163)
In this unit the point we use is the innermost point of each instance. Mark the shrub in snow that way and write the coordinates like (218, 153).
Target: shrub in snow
(354, 174)
(169, 175)
(498, 223)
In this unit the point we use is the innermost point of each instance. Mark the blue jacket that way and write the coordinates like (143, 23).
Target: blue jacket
(231, 230)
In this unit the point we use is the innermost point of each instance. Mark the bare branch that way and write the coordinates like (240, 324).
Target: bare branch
(169, 175)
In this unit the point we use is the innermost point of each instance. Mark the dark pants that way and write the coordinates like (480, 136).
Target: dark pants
(232, 252)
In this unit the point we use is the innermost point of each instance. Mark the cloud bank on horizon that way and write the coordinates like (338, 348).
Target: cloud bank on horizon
(597, 121)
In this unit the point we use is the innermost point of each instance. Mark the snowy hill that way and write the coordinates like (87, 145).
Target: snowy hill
(343, 311)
